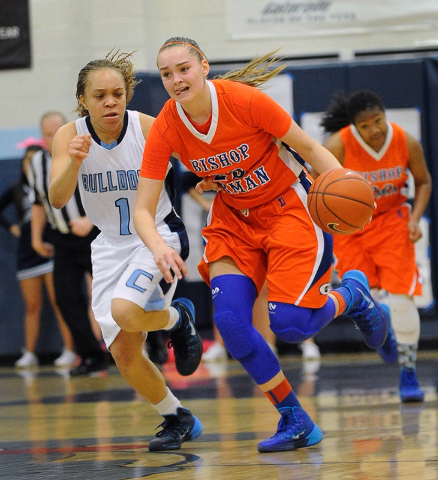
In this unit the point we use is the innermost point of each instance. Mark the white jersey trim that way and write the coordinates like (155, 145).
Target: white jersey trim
(372, 153)
(207, 138)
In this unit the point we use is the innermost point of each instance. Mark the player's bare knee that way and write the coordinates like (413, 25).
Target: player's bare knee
(127, 350)
(123, 313)
(125, 361)
(119, 357)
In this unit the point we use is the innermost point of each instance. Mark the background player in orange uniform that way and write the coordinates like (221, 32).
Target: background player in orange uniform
(384, 250)
(259, 227)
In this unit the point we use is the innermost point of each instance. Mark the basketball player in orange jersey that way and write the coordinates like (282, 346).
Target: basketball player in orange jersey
(384, 249)
(259, 227)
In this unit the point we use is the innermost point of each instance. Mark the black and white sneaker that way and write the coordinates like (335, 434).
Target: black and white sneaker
(185, 339)
(178, 428)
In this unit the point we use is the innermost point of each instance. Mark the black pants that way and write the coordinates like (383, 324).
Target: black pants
(72, 261)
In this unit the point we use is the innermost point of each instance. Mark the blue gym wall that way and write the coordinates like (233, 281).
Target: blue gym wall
(411, 83)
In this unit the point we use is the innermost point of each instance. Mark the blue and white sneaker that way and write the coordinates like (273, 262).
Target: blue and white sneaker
(178, 428)
(295, 430)
(367, 314)
(388, 351)
(186, 341)
(410, 390)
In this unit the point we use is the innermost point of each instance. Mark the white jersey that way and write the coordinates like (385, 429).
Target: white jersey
(108, 180)
(123, 267)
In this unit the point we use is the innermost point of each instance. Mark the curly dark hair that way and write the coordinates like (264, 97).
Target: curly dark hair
(344, 109)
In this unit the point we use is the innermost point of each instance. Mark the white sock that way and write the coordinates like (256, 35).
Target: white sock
(168, 405)
(173, 318)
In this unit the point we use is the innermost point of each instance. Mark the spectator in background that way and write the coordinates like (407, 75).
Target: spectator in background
(363, 140)
(69, 242)
(34, 272)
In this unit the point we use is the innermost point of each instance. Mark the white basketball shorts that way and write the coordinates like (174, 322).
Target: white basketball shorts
(127, 270)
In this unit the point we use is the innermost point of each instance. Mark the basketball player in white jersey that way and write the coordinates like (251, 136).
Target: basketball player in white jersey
(103, 150)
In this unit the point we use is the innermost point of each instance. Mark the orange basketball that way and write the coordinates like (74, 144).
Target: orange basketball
(341, 201)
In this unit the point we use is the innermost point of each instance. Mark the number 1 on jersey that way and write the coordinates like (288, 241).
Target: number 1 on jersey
(124, 214)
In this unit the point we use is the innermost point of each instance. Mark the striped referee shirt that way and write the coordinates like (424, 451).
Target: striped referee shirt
(39, 180)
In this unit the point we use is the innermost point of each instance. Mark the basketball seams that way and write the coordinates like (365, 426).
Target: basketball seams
(338, 216)
(339, 212)
(345, 197)
(342, 179)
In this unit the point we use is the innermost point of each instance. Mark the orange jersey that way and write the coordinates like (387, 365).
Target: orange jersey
(382, 249)
(277, 242)
(385, 170)
(240, 149)
(383, 252)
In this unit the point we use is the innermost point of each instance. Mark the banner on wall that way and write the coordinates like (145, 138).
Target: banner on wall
(14, 34)
(255, 19)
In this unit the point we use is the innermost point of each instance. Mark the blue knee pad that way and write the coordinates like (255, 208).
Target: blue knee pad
(246, 344)
(236, 334)
(233, 299)
(295, 324)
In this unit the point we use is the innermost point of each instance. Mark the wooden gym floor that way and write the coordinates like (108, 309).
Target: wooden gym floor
(56, 427)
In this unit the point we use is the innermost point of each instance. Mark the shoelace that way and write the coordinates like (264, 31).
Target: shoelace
(282, 424)
(290, 427)
(171, 424)
(367, 324)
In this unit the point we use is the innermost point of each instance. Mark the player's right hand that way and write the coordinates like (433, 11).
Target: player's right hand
(168, 261)
(79, 148)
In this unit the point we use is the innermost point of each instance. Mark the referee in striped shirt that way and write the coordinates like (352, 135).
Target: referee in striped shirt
(68, 239)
